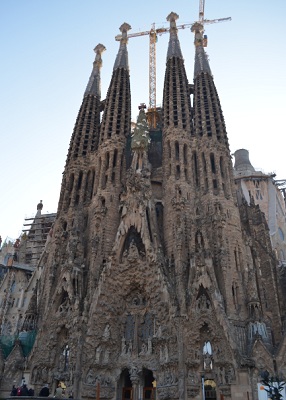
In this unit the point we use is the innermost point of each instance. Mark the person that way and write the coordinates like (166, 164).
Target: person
(24, 390)
(59, 392)
(31, 392)
(13, 391)
(44, 392)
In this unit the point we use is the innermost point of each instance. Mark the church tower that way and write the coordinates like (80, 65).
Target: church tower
(159, 280)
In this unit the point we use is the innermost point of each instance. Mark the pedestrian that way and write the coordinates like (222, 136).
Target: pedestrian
(24, 390)
(31, 392)
(45, 391)
(59, 392)
(13, 391)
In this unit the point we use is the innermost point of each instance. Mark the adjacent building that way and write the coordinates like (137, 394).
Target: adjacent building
(21, 263)
(267, 192)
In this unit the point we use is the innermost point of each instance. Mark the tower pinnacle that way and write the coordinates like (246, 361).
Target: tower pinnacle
(93, 86)
(201, 59)
(122, 56)
(174, 49)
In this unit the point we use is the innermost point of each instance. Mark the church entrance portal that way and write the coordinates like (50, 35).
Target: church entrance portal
(149, 388)
(210, 389)
(126, 384)
(147, 383)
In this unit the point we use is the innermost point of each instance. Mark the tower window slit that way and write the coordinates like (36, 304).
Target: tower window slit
(177, 151)
(185, 154)
(205, 171)
(79, 180)
(212, 160)
(178, 171)
(107, 161)
(221, 167)
(114, 158)
(195, 166)
(149, 225)
(169, 149)
(92, 184)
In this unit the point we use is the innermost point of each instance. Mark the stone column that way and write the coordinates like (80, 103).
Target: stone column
(134, 377)
(181, 360)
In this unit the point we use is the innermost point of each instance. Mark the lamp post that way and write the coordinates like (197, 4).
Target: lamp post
(273, 385)
(203, 387)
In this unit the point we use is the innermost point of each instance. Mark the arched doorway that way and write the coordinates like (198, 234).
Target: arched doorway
(125, 385)
(210, 389)
(149, 385)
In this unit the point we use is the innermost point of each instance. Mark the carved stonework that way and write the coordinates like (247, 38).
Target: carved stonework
(193, 392)
(158, 270)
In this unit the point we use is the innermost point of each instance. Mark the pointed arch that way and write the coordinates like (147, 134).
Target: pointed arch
(133, 238)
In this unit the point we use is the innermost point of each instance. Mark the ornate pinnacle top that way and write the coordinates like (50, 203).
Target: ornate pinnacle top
(174, 48)
(93, 86)
(201, 58)
(122, 56)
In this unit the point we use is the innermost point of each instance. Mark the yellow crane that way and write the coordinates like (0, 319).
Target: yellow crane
(153, 35)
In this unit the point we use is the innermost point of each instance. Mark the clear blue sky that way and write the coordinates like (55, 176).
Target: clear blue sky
(46, 59)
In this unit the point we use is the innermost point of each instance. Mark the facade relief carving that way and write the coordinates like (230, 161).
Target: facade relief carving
(203, 304)
(192, 378)
(178, 201)
(154, 285)
(93, 378)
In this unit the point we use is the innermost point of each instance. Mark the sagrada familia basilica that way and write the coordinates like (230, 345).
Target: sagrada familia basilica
(158, 279)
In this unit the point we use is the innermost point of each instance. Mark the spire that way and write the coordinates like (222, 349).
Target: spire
(176, 98)
(93, 86)
(201, 58)
(116, 119)
(174, 48)
(86, 130)
(208, 116)
(122, 55)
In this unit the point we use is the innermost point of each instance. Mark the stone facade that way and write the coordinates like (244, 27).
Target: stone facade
(157, 277)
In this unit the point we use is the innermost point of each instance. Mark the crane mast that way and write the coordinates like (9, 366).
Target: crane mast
(202, 11)
(152, 77)
(153, 33)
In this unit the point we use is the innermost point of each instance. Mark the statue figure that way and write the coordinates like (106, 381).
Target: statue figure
(159, 332)
(123, 346)
(143, 349)
(221, 376)
(166, 353)
(90, 378)
(97, 354)
(106, 333)
(207, 361)
(149, 350)
(129, 350)
(106, 356)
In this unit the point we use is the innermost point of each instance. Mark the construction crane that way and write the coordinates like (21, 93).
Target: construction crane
(153, 36)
